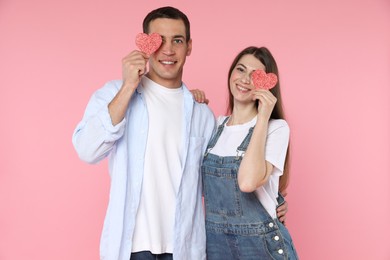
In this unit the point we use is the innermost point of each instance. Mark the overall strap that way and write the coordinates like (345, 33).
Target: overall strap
(216, 136)
(244, 145)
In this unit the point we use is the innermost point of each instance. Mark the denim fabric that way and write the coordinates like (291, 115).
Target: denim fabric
(147, 255)
(237, 225)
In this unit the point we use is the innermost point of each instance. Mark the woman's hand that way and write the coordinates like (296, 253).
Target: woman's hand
(199, 96)
(267, 102)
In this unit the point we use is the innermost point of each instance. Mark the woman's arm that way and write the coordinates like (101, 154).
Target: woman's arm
(254, 169)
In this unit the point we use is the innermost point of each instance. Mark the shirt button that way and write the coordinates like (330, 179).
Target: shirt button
(271, 224)
(276, 238)
(280, 251)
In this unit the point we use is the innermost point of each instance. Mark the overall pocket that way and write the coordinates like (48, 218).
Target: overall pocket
(221, 191)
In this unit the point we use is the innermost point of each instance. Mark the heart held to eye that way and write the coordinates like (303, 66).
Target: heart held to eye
(148, 43)
(263, 80)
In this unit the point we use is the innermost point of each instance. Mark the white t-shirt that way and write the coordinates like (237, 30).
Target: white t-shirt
(275, 153)
(162, 169)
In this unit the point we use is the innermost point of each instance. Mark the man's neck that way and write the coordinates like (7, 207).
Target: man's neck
(167, 83)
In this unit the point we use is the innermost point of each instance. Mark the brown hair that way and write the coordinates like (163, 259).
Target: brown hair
(170, 13)
(265, 56)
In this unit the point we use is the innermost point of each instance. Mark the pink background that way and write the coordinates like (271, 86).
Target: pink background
(334, 62)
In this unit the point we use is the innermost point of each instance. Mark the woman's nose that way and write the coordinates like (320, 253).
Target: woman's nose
(245, 78)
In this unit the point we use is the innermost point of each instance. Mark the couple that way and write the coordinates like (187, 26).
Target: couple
(165, 153)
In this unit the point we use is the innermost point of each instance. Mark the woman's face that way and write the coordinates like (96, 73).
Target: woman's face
(240, 81)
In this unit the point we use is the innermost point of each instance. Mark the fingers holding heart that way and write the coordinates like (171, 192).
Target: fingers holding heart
(266, 99)
(133, 66)
(135, 58)
(264, 95)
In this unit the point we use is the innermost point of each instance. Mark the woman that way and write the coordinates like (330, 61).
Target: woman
(241, 191)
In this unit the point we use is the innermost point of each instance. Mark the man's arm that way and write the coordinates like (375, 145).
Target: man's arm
(103, 122)
(95, 135)
(133, 67)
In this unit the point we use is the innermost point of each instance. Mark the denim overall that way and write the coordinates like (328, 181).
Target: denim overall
(237, 225)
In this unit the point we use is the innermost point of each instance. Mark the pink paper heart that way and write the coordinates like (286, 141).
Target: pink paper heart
(148, 43)
(263, 80)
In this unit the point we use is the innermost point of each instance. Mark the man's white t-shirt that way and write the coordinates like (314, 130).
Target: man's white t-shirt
(275, 153)
(162, 169)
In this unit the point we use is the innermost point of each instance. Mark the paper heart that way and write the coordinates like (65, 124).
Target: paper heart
(148, 43)
(263, 80)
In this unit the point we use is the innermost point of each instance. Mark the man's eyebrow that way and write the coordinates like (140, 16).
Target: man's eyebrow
(179, 36)
(175, 36)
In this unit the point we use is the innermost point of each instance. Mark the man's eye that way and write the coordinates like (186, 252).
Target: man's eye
(178, 41)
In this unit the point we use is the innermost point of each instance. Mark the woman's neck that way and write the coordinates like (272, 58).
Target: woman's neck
(242, 115)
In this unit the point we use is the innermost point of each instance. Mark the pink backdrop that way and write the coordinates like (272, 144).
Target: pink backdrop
(334, 62)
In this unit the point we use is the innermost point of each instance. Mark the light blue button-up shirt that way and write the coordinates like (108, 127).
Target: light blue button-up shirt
(96, 138)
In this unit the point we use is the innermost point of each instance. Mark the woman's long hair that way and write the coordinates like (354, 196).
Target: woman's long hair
(265, 56)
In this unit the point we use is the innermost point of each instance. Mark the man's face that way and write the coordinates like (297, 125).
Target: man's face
(166, 64)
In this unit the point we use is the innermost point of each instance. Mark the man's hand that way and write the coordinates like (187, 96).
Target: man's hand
(133, 67)
(199, 96)
(281, 212)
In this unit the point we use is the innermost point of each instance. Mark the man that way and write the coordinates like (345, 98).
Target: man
(155, 135)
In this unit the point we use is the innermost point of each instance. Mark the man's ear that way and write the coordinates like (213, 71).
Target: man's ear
(189, 47)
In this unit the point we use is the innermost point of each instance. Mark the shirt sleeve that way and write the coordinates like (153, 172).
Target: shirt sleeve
(276, 145)
(95, 135)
